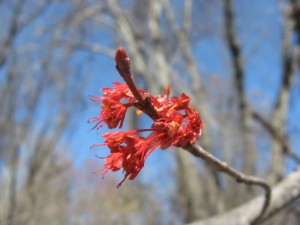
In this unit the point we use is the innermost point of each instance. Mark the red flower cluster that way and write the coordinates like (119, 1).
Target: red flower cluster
(178, 125)
(175, 124)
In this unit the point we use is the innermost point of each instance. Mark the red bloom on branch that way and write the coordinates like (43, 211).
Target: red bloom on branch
(175, 123)
(128, 151)
(113, 110)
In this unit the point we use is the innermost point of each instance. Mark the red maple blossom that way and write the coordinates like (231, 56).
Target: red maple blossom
(175, 123)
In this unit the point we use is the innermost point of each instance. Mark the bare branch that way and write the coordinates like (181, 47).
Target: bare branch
(295, 14)
(290, 55)
(13, 30)
(187, 15)
(186, 50)
(283, 140)
(283, 194)
(239, 77)
(238, 176)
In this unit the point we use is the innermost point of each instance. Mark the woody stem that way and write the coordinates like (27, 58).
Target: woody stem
(128, 79)
(144, 103)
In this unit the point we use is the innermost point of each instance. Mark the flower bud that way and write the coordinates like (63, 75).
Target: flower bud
(122, 60)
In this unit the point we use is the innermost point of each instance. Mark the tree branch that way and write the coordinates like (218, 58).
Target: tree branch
(283, 194)
(199, 152)
(282, 139)
(234, 47)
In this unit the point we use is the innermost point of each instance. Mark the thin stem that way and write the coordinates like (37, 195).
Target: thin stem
(128, 79)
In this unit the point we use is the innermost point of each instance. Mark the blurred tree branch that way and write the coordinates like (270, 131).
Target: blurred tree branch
(222, 166)
(283, 194)
(283, 140)
(239, 79)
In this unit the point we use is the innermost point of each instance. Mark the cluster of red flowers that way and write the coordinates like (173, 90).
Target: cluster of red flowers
(177, 125)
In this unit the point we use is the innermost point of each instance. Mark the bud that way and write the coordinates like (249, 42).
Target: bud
(122, 60)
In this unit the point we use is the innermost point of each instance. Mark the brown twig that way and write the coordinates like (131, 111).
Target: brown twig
(199, 152)
(143, 102)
